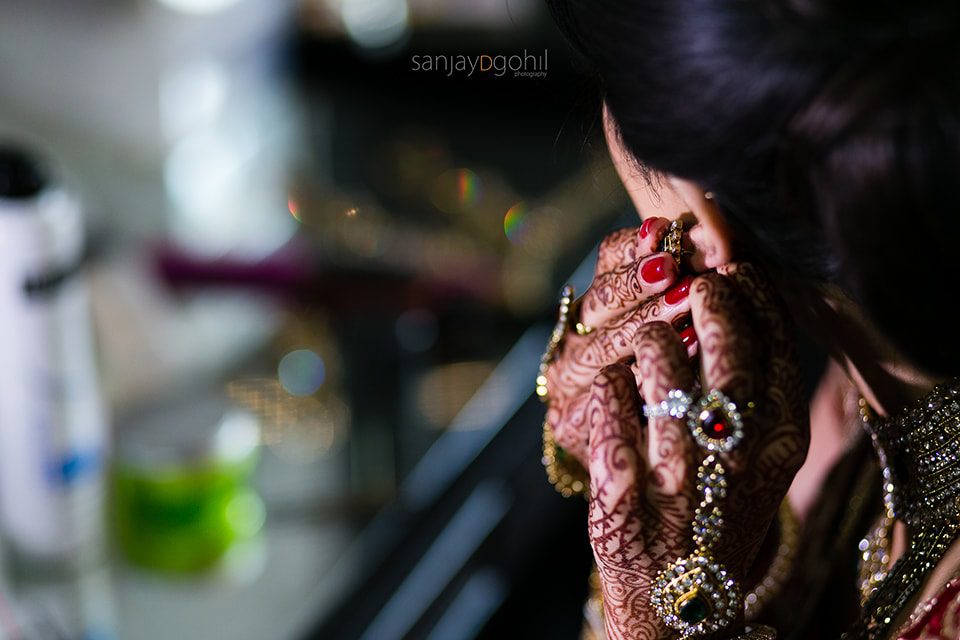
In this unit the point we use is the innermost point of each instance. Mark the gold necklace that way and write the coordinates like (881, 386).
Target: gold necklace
(875, 548)
(919, 452)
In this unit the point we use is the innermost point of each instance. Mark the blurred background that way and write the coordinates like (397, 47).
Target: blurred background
(275, 277)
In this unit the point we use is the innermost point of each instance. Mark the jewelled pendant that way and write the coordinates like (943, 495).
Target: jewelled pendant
(695, 595)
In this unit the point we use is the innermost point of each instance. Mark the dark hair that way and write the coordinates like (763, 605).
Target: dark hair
(828, 131)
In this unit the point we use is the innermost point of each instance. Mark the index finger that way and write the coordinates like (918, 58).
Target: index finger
(625, 246)
(616, 292)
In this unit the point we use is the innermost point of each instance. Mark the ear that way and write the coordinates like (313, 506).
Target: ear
(652, 195)
(668, 197)
(711, 235)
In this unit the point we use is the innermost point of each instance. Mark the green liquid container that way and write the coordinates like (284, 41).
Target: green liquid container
(181, 486)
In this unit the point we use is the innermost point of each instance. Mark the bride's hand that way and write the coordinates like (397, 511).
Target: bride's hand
(642, 486)
(633, 284)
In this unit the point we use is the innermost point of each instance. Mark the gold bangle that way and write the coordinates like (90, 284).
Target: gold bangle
(780, 567)
(564, 472)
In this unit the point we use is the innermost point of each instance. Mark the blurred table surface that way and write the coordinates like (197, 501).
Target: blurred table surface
(411, 230)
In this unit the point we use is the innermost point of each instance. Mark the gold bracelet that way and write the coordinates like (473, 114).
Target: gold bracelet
(564, 472)
(556, 339)
(759, 632)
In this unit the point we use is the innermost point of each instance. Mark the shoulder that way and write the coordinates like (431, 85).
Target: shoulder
(937, 618)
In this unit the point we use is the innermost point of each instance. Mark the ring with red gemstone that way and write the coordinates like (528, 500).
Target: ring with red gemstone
(715, 422)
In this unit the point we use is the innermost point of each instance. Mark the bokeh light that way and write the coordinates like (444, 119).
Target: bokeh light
(245, 513)
(457, 191)
(301, 372)
(198, 6)
(294, 208)
(296, 428)
(220, 197)
(468, 187)
(515, 222)
(375, 24)
(193, 96)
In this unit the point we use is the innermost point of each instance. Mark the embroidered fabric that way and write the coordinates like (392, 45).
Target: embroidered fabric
(936, 619)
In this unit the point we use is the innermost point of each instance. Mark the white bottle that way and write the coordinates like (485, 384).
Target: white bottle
(52, 419)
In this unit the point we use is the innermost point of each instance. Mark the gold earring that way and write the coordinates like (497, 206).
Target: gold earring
(672, 241)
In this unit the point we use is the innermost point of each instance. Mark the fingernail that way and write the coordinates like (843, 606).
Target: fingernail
(645, 227)
(688, 336)
(678, 292)
(654, 270)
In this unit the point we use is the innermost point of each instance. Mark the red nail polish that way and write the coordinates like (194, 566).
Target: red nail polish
(645, 227)
(654, 270)
(688, 336)
(678, 292)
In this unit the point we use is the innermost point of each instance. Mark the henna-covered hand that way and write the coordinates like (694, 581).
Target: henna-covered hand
(633, 284)
(643, 493)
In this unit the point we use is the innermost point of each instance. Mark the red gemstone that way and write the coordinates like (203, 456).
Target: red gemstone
(713, 424)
